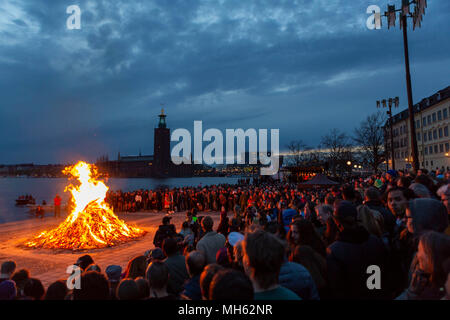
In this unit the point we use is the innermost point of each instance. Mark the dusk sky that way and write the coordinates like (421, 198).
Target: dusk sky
(300, 66)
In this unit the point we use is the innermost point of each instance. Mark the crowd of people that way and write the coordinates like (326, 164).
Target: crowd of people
(383, 237)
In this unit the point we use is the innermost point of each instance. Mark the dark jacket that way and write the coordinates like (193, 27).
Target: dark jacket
(297, 278)
(177, 273)
(163, 232)
(348, 260)
(192, 288)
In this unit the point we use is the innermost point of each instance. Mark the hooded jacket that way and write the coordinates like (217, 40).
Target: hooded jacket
(348, 259)
(297, 278)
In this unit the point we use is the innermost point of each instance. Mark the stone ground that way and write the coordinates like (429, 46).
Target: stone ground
(50, 265)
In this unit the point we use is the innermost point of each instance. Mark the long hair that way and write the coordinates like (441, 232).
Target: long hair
(136, 267)
(367, 220)
(437, 249)
(307, 236)
(312, 261)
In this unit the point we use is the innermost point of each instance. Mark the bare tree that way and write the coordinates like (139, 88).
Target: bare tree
(369, 137)
(297, 153)
(338, 146)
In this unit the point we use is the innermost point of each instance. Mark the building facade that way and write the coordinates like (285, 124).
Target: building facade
(432, 120)
(158, 165)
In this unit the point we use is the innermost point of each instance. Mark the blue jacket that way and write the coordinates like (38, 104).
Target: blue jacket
(297, 278)
(192, 288)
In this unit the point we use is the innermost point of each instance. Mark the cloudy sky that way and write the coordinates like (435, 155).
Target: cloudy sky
(301, 66)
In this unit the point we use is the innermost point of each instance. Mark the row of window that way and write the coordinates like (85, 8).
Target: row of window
(432, 118)
(437, 148)
(433, 134)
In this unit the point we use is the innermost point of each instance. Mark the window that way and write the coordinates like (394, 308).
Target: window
(445, 113)
(439, 113)
(441, 148)
(431, 162)
(425, 137)
(401, 130)
(440, 132)
(434, 134)
(434, 116)
(426, 163)
(430, 135)
(431, 149)
(436, 150)
(418, 136)
(424, 122)
(446, 131)
(429, 119)
(418, 124)
(447, 147)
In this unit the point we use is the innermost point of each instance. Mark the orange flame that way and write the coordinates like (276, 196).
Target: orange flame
(91, 224)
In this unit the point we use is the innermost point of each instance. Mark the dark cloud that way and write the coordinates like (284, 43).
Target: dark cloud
(298, 65)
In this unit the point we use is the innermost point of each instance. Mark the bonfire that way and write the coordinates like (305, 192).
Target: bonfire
(91, 223)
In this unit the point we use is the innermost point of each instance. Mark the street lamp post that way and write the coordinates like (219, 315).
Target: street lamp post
(417, 16)
(391, 102)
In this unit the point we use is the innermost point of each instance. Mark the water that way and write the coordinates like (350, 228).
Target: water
(46, 189)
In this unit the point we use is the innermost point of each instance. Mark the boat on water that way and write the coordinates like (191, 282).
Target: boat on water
(24, 200)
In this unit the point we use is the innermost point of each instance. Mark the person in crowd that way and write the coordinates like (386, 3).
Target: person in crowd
(93, 267)
(223, 224)
(93, 286)
(157, 275)
(297, 278)
(57, 206)
(302, 232)
(420, 190)
(136, 268)
(370, 220)
(176, 264)
(195, 263)
(7, 270)
(84, 261)
(263, 258)
(351, 254)
(206, 277)
(34, 289)
(166, 230)
(229, 284)
(8, 290)
(127, 290)
(211, 242)
(429, 277)
(154, 255)
(113, 273)
(57, 291)
(20, 278)
(372, 199)
(40, 212)
(315, 264)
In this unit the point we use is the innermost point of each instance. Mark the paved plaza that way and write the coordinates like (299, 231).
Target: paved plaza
(50, 265)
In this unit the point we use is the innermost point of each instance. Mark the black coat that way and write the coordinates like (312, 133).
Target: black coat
(164, 232)
(347, 261)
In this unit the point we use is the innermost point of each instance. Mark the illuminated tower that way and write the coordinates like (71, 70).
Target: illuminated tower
(162, 146)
